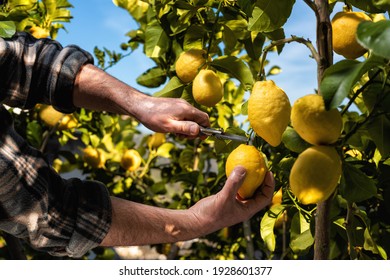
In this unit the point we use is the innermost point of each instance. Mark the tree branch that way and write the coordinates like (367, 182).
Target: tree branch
(325, 50)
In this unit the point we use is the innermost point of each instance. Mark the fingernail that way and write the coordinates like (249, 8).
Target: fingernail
(193, 129)
(240, 171)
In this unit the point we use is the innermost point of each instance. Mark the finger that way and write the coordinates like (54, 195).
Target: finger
(185, 128)
(198, 116)
(264, 196)
(234, 181)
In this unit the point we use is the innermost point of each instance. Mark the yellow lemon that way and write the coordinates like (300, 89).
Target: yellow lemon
(131, 160)
(52, 117)
(39, 32)
(254, 162)
(315, 174)
(313, 122)
(189, 63)
(67, 122)
(94, 157)
(156, 140)
(269, 111)
(344, 26)
(277, 198)
(207, 88)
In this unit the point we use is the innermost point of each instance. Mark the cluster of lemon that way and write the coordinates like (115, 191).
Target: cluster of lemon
(317, 170)
(191, 66)
(130, 159)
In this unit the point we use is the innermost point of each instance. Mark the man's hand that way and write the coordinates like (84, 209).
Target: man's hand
(226, 209)
(95, 89)
(172, 115)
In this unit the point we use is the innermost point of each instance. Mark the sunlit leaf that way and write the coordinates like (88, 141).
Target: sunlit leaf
(7, 29)
(267, 225)
(152, 78)
(340, 78)
(165, 150)
(302, 242)
(174, 88)
(156, 40)
(234, 67)
(270, 15)
(375, 36)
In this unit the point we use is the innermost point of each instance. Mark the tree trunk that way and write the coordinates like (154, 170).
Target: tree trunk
(325, 51)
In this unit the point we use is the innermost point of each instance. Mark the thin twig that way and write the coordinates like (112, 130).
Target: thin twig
(358, 92)
(293, 38)
(311, 5)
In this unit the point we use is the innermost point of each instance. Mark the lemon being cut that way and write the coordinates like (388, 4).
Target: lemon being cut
(269, 111)
(315, 174)
(189, 63)
(313, 122)
(344, 26)
(254, 162)
(207, 88)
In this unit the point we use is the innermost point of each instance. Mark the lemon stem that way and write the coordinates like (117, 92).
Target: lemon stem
(273, 44)
(214, 27)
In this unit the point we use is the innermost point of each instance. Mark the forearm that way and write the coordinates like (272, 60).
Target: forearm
(96, 90)
(139, 224)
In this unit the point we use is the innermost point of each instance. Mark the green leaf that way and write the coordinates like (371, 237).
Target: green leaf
(370, 245)
(355, 185)
(246, 6)
(301, 237)
(254, 45)
(267, 225)
(371, 6)
(341, 77)
(152, 78)
(174, 88)
(375, 36)
(194, 37)
(136, 8)
(156, 40)
(379, 131)
(270, 15)
(302, 242)
(236, 68)
(165, 150)
(7, 29)
(293, 141)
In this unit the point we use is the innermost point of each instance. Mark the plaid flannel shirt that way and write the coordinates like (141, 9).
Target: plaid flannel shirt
(61, 217)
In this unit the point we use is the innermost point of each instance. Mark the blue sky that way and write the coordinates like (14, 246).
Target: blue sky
(101, 23)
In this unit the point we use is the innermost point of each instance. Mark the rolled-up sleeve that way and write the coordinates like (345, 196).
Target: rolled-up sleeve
(39, 71)
(58, 216)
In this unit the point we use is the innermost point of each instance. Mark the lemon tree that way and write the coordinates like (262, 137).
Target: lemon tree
(333, 181)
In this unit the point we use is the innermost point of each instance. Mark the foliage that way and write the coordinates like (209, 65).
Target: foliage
(237, 34)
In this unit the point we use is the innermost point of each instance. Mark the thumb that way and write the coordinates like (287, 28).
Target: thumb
(187, 128)
(235, 180)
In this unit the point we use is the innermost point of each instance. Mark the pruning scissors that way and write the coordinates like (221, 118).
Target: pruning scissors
(221, 134)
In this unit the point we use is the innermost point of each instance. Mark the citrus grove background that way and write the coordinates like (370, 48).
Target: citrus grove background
(243, 41)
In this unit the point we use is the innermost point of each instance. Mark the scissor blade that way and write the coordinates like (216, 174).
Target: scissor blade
(233, 137)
